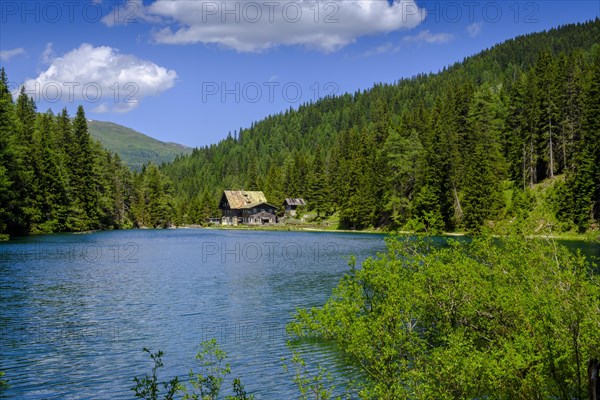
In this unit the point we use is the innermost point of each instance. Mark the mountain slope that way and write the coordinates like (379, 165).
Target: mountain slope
(429, 152)
(134, 148)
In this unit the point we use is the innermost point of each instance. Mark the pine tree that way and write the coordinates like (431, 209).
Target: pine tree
(584, 181)
(206, 206)
(427, 212)
(517, 146)
(317, 186)
(402, 155)
(547, 113)
(252, 177)
(436, 163)
(12, 219)
(49, 182)
(273, 185)
(26, 113)
(484, 164)
(158, 198)
(123, 192)
(85, 184)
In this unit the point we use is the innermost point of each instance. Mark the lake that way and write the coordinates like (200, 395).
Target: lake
(76, 310)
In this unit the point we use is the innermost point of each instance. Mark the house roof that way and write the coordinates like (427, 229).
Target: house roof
(241, 199)
(294, 202)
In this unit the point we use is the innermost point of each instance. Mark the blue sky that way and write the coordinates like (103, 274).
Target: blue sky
(190, 71)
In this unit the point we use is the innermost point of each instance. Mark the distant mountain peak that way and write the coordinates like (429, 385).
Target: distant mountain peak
(134, 148)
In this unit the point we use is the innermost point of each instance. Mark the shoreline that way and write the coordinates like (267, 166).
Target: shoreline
(586, 237)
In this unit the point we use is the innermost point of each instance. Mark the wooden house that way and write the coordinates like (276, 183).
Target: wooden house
(246, 207)
(291, 204)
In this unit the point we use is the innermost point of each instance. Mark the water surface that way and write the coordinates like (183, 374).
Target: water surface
(76, 310)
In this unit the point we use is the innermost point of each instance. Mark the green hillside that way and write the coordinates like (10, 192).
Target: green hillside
(431, 152)
(134, 148)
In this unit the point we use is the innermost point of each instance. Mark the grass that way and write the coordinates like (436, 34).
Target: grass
(134, 148)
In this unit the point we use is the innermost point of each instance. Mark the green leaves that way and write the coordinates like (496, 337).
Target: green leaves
(517, 319)
(205, 384)
(148, 387)
(3, 383)
(316, 386)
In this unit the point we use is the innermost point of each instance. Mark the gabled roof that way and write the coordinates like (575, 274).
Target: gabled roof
(241, 199)
(294, 202)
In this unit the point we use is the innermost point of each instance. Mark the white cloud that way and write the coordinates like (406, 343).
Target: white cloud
(254, 26)
(427, 37)
(6, 55)
(474, 29)
(48, 54)
(100, 76)
(101, 109)
(382, 49)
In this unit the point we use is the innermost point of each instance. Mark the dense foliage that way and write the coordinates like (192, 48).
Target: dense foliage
(54, 177)
(511, 320)
(449, 151)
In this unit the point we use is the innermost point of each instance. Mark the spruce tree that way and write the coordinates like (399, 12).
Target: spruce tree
(85, 185)
(317, 185)
(548, 122)
(484, 163)
(51, 199)
(12, 220)
(584, 181)
(402, 156)
(158, 198)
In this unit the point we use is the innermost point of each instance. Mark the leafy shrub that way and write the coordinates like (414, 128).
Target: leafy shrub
(517, 319)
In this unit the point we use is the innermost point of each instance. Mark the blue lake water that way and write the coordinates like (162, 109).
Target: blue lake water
(76, 310)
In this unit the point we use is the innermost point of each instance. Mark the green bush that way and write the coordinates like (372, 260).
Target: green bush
(512, 320)
(205, 384)
(3, 383)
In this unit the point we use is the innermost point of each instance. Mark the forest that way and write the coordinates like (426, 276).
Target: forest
(447, 151)
(459, 150)
(55, 178)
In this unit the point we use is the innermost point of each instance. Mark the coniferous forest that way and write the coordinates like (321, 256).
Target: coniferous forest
(462, 149)
(54, 177)
(447, 151)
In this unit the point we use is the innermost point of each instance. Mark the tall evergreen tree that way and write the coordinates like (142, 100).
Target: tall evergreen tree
(317, 185)
(12, 173)
(158, 198)
(547, 113)
(85, 184)
(51, 198)
(402, 157)
(484, 163)
(584, 181)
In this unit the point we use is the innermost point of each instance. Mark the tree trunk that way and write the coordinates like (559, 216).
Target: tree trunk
(458, 209)
(594, 379)
(532, 171)
(551, 145)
